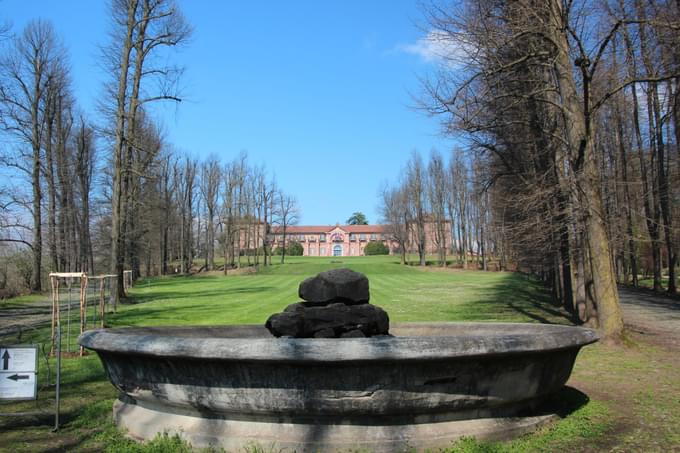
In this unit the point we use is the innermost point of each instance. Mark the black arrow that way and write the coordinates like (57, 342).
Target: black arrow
(5, 360)
(16, 377)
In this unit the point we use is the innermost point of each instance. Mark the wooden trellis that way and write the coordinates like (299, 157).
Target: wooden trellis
(84, 279)
(102, 300)
(56, 308)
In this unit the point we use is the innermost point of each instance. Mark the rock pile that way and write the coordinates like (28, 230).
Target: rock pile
(335, 306)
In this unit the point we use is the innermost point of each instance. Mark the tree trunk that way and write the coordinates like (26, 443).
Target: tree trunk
(117, 195)
(36, 282)
(51, 188)
(579, 136)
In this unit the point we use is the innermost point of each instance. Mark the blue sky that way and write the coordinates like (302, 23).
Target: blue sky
(320, 92)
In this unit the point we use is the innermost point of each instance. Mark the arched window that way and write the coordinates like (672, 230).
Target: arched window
(337, 250)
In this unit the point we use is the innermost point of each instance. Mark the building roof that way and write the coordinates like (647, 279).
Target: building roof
(319, 229)
(364, 228)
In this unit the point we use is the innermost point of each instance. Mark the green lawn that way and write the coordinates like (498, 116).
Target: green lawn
(23, 300)
(649, 282)
(407, 293)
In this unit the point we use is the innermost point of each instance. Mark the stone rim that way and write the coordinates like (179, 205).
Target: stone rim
(514, 338)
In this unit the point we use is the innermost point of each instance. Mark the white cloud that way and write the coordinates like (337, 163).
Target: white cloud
(437, 46)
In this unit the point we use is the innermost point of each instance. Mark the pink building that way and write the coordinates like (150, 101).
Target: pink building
(338, 240)
(348, 240)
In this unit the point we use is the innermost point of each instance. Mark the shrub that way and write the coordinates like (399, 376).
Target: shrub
(376, 248)
(294, 248)
(15, 273)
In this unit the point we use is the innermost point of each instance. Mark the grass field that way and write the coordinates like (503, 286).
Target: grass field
(407, 293)
(649, 282)
(22, 300)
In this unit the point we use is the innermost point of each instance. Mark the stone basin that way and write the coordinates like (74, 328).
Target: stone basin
(427, 385)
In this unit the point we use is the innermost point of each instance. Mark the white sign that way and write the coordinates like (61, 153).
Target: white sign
(17, 386)
(18, 368)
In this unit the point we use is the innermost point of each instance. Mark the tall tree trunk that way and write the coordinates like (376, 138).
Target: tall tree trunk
(36, 281)
(51, 188)
(664, 197)
(117, 195)
(65, 185)
(579, 136)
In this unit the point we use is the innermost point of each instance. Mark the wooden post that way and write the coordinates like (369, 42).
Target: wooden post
(54, 283)
(101, 300)
(83, 306)
(127, 280)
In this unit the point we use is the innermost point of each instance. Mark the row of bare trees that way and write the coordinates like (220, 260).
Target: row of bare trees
(241, 204)
(114, 195)
(192, 211)
(441, 205)
(47, 157)
(571, 108)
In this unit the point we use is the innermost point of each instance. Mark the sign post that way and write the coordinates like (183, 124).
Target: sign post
(18, 372)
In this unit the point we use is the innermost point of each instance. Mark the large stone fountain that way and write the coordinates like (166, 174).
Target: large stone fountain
(420, 386)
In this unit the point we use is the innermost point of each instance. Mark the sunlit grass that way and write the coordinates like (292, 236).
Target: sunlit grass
(408, 293)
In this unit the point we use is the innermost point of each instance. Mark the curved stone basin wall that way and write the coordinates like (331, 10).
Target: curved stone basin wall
(425, 386)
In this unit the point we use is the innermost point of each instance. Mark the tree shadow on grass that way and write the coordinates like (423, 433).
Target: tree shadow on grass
(78, 426)
(190, 313)
(189, 295)
(523, 296)
(80, 397)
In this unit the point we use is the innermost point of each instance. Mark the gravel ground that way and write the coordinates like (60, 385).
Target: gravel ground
(651, 314)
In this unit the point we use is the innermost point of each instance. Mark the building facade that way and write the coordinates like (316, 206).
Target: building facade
(342, 240)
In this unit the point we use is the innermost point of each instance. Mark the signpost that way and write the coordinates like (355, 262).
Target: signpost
(18, 372)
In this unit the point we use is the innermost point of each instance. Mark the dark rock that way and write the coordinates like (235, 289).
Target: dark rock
(356, 333)
(335, 306)
(305, 322)
(296, 307)
(336, 285)
(285, 324)
(325, 333)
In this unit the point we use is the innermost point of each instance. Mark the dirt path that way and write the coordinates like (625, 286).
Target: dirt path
(14, 318)
(639, 380)
(28, 316)
(652, 315)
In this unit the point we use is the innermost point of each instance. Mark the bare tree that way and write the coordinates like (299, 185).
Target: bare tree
(416, 186)
(233, 221)
(268, 191)
(166, 187)
(288, 214)
(84, 169)
(437, 195)
(185, 176)
(210, 183)
(27, 70)
(459, 201)
(396, 214)
(142, 28)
